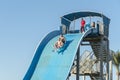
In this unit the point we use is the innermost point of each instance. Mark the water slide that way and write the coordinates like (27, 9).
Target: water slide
(54, 65)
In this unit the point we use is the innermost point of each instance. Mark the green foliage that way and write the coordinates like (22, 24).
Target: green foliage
(116, 62)
(116, 58)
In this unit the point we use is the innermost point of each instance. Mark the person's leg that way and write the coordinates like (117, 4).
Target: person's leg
(81, 29)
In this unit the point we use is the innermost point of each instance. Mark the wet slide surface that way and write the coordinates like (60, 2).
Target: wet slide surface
(56, 65)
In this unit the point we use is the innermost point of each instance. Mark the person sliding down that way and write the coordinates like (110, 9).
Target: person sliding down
(58, 44)
(62, 38)
(61, 41)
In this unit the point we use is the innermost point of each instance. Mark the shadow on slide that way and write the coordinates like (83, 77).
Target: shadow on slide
(62, 49)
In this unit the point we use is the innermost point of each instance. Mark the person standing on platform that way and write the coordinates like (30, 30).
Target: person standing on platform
(82, 25)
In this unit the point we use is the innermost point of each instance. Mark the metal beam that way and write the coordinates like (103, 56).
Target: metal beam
(107, 60)
(77, 69)
(111, 75)
(101, 60)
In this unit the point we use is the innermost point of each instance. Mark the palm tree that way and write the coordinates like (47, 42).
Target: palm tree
(116, 62)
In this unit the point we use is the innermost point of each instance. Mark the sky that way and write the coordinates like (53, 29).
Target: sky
(23, 23)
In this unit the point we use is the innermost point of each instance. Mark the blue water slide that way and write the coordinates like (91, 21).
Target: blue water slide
(38, 53)
(54, 65)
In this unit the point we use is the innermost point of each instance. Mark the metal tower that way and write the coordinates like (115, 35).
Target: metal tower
(97, 63)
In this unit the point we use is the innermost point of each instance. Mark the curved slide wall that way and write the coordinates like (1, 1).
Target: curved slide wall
(49, 65)
(38, 53)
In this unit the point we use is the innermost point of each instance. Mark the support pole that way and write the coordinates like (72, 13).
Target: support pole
(101, 60)
(107, 72)
(108, 55)
(74, 25)
(77, 69)
(111, 70)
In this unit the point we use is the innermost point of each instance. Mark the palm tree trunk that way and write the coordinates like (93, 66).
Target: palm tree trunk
(117, 73)
(118, 76)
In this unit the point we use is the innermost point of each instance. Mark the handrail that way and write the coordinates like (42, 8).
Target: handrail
(86, 60)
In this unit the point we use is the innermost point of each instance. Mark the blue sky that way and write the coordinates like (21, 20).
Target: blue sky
(23, 23)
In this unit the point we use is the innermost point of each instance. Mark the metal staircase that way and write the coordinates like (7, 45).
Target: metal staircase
(87, 66)
(98, 48)
(90, 62)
